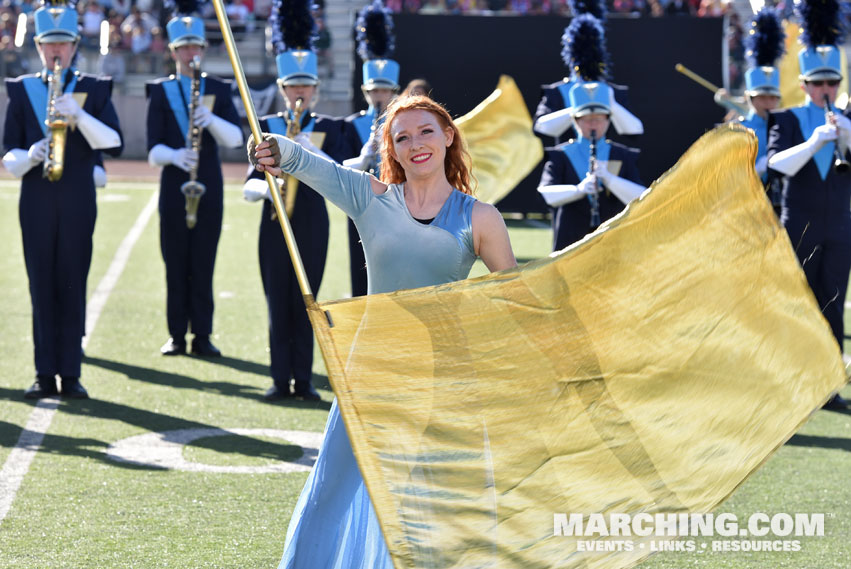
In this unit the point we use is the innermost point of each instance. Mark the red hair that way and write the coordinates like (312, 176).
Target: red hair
(457, 163)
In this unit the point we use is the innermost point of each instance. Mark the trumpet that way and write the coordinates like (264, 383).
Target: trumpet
(293, 129)
(57, 127)
(840, 164)
(193, 189)
(594, 197)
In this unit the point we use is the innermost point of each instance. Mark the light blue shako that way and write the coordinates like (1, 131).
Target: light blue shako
(596, 8)
(589, 63)
(293, 30)
(185, 28)
(55, 22)
(376, 44)
(764, 45)
(818, 60)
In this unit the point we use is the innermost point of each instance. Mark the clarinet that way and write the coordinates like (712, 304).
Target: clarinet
(840, 164)
(593, 197)
(193, 189)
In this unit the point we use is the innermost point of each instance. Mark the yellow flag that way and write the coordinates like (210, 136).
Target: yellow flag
(651, 368)
(791, 94)
(500, 141)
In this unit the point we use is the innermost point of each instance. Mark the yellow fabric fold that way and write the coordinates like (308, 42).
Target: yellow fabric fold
(651, 367)
(500, 140)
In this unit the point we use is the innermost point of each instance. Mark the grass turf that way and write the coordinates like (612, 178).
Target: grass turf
(77, 508)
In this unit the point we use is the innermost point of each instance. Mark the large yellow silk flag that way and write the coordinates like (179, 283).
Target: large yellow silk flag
(651, 367)
(500, 140)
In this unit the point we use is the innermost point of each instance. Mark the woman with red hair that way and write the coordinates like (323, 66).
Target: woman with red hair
(420, 226)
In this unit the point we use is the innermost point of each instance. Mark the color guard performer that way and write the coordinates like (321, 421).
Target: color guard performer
(376, 42)
(588, 179)
(57, 121)
(290, 333)
(808, 146)
(186, 146)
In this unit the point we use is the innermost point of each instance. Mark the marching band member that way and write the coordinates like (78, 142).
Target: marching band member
(765, 44)
(189, 253)
(588, 179)
(290, 333)
(553, 117)
(808, 146)
(376, 43)
(55, 162)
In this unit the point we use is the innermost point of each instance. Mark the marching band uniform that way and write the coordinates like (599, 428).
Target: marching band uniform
(290, 332)
(380, 75)
(58, 218)
(189, 254)
(567, 184)
(802, 147)
(762, 79)
(562, 184)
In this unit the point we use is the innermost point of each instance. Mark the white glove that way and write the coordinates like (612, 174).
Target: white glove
(67, 106)
(561, 194)
(359, 162)
(185, 159)
(303, 139)
(588, 185)
(256, 190)
(203, 116)
(99, 175)
(623, 189)
(761, 165)
(844, 126)
(822, 135)
(38, 151)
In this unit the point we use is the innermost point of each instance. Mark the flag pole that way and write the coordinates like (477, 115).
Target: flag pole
(251, 115)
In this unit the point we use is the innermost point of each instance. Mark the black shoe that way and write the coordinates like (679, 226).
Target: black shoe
(837, 403)
(173, 348)
(42, 387)
(73, 389)
(202, 346)
(306, 392)
(276, 393)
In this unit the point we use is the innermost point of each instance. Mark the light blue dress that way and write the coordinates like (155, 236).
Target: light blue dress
(334, 525)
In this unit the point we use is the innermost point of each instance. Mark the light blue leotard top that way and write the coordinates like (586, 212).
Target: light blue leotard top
(400, 252)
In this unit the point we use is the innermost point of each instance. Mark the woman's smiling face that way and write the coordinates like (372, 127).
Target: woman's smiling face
(419, 142)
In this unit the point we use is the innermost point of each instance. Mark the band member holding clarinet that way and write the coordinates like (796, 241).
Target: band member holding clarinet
(57, 122)
(191, 185)
(587, 180)
(808, 145)
(290, 333)
(374, 29)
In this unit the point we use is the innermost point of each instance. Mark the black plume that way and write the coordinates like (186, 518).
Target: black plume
(584, 49)
(765, 40)
(821, 22)
(596, 8)
(375, 36)
(292, 25)
(181, 7)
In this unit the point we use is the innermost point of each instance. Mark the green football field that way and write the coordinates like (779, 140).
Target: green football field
(223, 500)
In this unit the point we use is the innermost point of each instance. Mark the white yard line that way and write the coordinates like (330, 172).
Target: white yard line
(18, 462)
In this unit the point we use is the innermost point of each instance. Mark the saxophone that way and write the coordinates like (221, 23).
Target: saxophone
(57, 127)
(290, 187)
(193, 189)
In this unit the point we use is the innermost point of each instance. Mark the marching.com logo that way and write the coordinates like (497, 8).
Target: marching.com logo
(600, 529)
